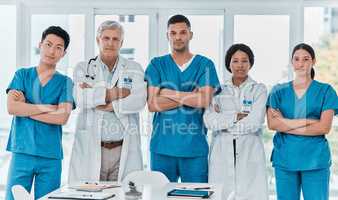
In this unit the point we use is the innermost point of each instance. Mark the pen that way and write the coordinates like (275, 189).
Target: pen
(196, 188)
(202, 188)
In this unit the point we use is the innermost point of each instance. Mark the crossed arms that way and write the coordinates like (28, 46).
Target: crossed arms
(305, 127)
(167, 99)
(112, 94)
(47, 113)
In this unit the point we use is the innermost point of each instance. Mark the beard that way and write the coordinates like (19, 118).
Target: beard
(180, 49)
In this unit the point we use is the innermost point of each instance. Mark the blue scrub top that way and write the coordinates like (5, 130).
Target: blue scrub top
(293, 152)
(33, 137)
(180, 132)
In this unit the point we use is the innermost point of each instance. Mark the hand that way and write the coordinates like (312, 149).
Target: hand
(84, 85)
(107, 107)
(240, 116)
(123, 92)
(276, 113)
(18, 96)
(216, 108)
(166, 91)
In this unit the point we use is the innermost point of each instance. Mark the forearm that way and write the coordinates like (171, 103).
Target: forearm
(321, 127)
(52, 118)
(59, 117)
(285, 125)
(90, 97)
(23, 109)
(219, 121)
(160, 103)
(115, 93)
(192, 99)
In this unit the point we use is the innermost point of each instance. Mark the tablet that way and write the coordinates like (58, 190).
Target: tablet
(203, 194)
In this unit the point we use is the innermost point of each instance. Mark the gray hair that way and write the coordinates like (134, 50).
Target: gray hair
(109, 25)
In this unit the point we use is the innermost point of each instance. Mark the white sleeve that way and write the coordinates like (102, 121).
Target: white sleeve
(136, 101)
(216, 121)
(87, 97)
(255, 120)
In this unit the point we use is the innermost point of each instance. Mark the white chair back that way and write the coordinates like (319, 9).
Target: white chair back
(20, 193)
(141, 178)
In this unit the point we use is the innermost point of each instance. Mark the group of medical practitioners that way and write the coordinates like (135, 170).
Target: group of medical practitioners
(183, 91)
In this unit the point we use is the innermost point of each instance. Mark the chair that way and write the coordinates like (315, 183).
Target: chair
(141, 178)
(20, 193)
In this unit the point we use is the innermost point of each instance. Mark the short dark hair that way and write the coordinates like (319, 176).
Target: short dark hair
(310, 50)
(57, 30)
(179, 19)
(238, 47)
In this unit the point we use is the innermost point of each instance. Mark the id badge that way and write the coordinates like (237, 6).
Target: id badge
(246, 106)
(127, 82)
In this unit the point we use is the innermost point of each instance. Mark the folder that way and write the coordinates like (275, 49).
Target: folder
(190, 194)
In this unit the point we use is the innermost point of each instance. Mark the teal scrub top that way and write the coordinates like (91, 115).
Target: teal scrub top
(293, 152)
(33, 137)
(180, 132)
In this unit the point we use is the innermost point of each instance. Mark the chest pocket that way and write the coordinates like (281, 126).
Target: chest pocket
(226, 100)
(125, 81)
(247, 99)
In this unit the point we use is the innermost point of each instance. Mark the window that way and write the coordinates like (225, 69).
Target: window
(7, 70)
(268, 37)
(74, 25)
(207, 38)
(321, 32)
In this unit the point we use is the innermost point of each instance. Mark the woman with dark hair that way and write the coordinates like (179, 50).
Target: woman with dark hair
(236, 116)
(301, 112)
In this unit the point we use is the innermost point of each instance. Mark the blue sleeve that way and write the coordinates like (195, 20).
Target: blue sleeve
(67, 93)
(209, 76)
(152, 75)
(273, 100)
(17, 82)
(330, 100)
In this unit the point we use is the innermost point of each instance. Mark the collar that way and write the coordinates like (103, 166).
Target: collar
(120, 61)
(249, 81)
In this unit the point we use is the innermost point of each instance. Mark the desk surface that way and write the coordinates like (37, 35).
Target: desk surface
(157, 193)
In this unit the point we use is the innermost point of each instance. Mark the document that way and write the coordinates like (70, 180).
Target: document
(70, 194)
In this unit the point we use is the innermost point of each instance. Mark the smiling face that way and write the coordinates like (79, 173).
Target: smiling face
(110, 42)
(302, 63)
(240, 65)
(179, 36)
(52, 49)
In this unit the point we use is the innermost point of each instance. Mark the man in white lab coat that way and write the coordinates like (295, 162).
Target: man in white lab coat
(110, 91)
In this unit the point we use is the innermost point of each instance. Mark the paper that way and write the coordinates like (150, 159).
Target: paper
(93, 187)
(81, 195)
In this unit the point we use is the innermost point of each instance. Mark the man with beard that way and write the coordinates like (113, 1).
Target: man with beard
(180, 87)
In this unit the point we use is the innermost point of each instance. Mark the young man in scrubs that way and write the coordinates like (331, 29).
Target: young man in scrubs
(301, 112)
(180, 86)
(40, 100)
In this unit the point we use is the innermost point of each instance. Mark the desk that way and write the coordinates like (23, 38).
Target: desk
(157, 193)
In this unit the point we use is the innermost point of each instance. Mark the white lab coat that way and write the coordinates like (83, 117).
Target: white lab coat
(248, 180)
(85, 163)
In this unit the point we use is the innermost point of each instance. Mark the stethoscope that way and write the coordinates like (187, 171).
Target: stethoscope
(88, 64)
(93, 73)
